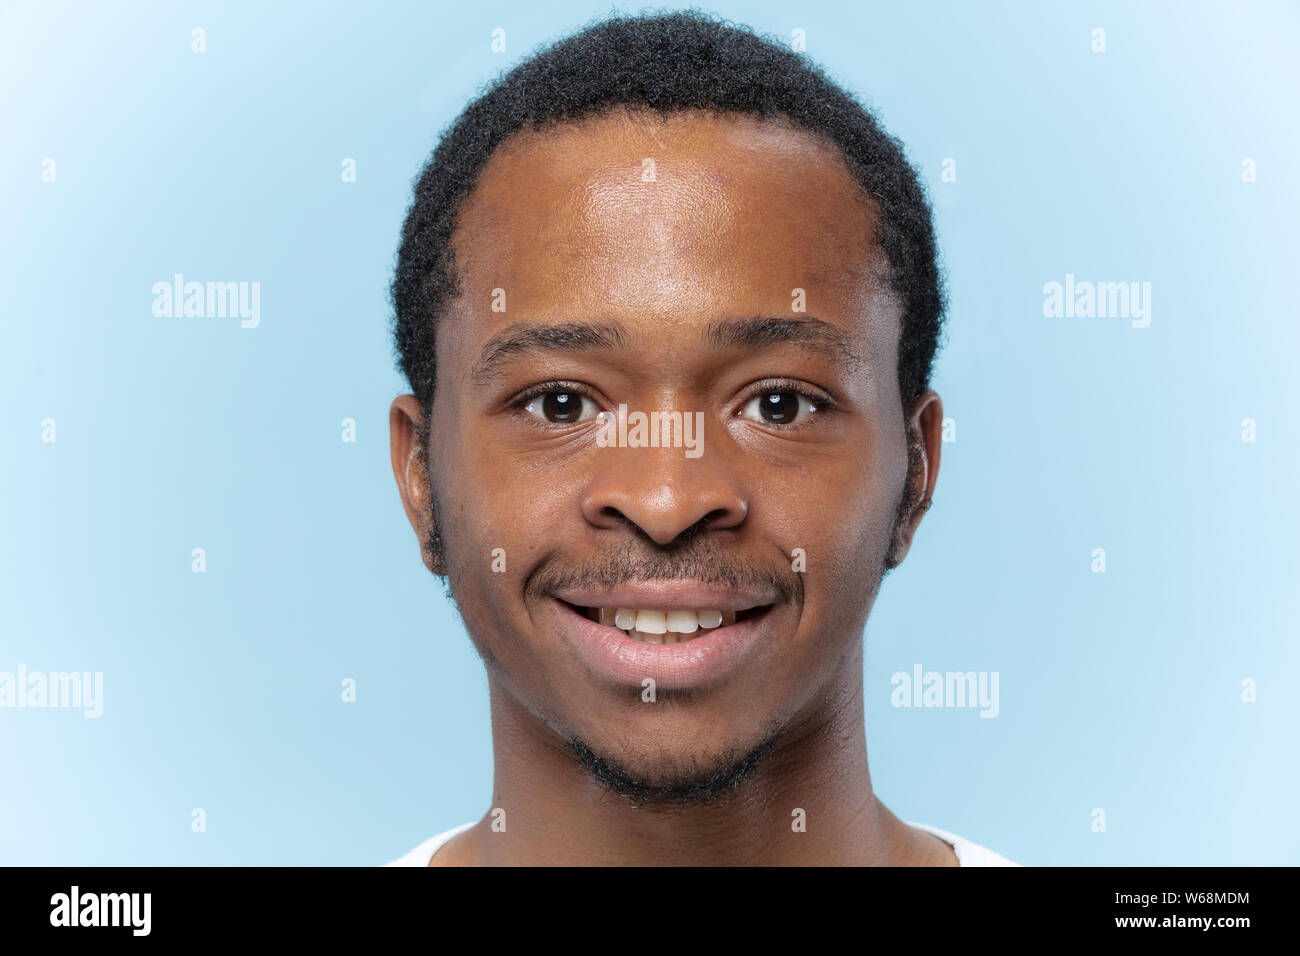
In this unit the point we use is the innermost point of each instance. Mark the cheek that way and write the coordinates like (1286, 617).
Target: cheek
(838, 503)
(501, 521)
(841, 516)
(499, 502)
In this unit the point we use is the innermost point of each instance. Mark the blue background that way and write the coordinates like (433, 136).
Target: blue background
(1120, 691)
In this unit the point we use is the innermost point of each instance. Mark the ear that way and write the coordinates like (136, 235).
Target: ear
(410, 467)
(924, 425)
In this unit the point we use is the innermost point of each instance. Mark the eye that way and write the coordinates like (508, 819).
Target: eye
(561, 406)
(779, 406)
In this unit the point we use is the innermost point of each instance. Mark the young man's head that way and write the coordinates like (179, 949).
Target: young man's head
(667, 215)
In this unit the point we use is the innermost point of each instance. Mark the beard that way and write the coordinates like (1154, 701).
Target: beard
(712, 781)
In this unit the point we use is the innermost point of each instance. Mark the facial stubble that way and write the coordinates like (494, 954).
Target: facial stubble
(717, 777)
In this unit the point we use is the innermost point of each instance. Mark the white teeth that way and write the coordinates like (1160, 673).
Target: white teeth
(652, 622)
(683, 622)
(662, 627)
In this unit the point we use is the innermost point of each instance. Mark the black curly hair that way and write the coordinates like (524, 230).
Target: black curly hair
(668, 62)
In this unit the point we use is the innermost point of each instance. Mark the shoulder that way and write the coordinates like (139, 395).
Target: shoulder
(968, 853)
(421, 855)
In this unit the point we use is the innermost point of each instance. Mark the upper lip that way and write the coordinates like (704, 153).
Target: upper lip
(668, 595)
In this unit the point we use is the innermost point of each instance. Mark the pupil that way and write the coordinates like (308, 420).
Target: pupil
(779, 407)
(562, 407)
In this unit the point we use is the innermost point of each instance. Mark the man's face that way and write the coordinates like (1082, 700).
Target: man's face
(720, 268)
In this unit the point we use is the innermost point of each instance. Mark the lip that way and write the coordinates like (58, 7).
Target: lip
(669, 596)
(704, 660)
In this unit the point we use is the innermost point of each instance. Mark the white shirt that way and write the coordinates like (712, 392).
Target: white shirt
(967, 853)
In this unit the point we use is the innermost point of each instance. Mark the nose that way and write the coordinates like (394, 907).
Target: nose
(662, 493)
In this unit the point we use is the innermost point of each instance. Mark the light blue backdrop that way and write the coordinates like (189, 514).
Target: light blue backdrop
(1120, 691)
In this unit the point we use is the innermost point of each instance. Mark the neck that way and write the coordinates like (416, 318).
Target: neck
(810, 802)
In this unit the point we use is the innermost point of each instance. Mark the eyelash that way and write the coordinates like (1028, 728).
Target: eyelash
(822, 401)
(543, 388)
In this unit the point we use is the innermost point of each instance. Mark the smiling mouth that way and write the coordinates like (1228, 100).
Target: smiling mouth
(665, 627)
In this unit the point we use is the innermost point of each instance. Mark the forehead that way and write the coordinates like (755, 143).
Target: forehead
(639, 217)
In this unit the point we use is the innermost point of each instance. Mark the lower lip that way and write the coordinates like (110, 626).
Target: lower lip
(614, 655)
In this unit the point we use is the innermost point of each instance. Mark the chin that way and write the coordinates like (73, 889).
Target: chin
(697, 774)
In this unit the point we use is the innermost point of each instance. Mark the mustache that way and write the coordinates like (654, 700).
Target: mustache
(699, 560)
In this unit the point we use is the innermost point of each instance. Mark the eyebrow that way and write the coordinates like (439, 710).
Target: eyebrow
(805, 332)
(752, 334)
(525, 339)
